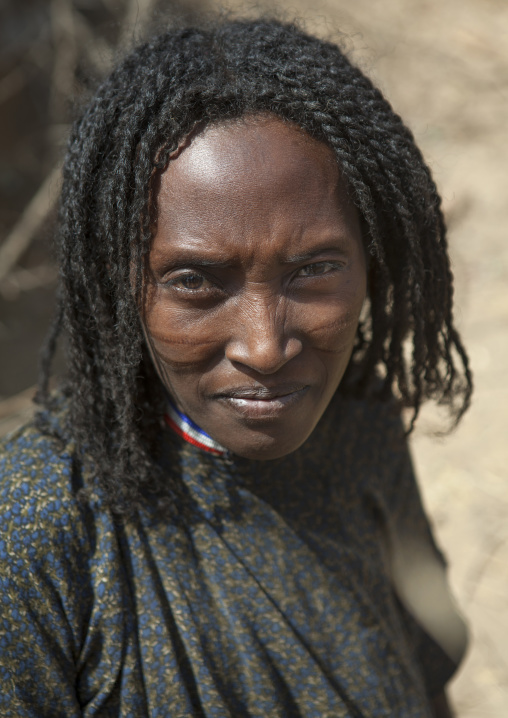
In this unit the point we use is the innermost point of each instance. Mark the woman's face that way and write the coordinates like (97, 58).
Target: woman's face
(257, 281)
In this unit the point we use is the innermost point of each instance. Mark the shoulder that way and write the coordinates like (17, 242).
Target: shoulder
(48, 543)
(39, 484)
(34, 466)
(51, 536)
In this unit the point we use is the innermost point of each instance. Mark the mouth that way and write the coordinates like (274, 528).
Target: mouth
(262, 402)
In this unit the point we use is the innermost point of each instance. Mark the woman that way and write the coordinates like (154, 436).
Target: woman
(218, 515)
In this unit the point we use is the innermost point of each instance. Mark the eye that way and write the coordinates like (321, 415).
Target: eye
(190, 282)
(317, 269)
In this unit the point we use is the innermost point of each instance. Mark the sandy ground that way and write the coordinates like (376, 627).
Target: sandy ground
(444, 66)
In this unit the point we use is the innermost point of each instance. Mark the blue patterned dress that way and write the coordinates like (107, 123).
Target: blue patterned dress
(298, 588)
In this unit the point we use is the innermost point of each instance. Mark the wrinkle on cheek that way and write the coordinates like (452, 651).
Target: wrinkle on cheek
(180, 350)
(179, 343)
(335, 327)
(180, 365)
(182, 340)
(176, 327)
(339, 324)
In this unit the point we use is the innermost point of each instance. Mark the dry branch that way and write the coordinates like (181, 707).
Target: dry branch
(18, 241)
(66, 53)
(98, 51)
(23, 280)
(136, 17)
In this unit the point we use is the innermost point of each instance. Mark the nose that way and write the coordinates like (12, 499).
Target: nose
(261, 338)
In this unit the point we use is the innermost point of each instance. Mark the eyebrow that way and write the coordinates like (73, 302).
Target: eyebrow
(197, 261)
(312, 254)
(216, 263)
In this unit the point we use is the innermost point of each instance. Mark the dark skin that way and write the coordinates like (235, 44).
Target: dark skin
(257, 280)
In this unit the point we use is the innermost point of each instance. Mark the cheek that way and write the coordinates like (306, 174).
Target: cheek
(331, 323)
(180, 339)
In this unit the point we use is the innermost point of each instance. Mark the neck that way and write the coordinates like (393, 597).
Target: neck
(191, 432)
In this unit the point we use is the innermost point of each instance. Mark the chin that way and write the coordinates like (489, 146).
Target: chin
(263, 447)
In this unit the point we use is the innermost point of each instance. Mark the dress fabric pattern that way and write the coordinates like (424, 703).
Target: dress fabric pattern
(276, 599)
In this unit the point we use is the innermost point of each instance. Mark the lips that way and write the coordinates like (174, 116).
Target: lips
(260, 393)
(262, 403)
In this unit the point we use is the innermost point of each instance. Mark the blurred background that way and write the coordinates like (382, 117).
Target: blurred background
(443, 64)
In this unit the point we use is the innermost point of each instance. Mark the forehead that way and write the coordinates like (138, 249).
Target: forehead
(258, 177)
(263, 150)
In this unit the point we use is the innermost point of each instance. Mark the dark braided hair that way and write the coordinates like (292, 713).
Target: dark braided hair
(154, 98)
